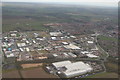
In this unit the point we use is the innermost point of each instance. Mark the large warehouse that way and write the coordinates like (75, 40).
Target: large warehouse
(68, 69)
(58, 65)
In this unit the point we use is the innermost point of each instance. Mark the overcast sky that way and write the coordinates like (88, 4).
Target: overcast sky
(86, 2)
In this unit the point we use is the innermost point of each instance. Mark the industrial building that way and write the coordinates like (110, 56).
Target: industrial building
(21, 44)
(67, 69)
(71, 46)
(92, 56)
(90, 42)
(58, 65)
(55, 33)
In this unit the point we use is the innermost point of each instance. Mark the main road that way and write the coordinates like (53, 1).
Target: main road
(56, 60)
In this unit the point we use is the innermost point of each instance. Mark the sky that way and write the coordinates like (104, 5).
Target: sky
(84, 2)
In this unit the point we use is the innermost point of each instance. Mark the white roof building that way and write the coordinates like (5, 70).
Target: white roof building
(4, 45)
(53, 38)
(90, 42)
(10, 55)
(65, 43)
(36, 34)
(76, 69)
(9, 44)
(21, 44)
(55, 33)
(24, 39)
(40, 39)
(66, 55)
(92, 55)
(71, 54)
(13, 35)
(27, 49)
(85, 52)
(73, 36)
(21, 49)
(27, 42)
(34, 41)
(71, 46)
(72, 69)
(55, 55)
(61, 64)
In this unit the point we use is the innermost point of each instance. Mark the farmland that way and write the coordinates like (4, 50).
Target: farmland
(29, 73)
(109, 44)
(11, 74)
(31, 17)
(36, 73)
(104, 75)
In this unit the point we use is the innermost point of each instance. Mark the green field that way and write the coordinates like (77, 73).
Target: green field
(32, 16)
(111, 67)
(109, 44)
(9, 70)
(104, 75)
(101, 37)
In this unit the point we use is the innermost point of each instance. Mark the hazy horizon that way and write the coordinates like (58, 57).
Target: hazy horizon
(104, 3)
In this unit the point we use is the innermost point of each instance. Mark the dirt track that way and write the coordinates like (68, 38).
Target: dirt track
(31, 65)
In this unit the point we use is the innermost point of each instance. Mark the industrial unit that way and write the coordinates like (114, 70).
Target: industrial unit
(67, 69)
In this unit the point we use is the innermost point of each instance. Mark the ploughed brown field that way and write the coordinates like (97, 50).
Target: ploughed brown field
(36, 73)
(11, 74)
(28, 73)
